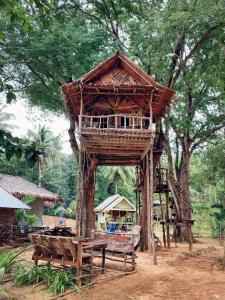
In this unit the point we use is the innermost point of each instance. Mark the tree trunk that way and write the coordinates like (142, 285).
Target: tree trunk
(184, 201)
(85, 198)
(116, 185)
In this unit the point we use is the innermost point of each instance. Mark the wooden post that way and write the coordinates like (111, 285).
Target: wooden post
(152, 237)
(148, 204)
(189, 235)
(167, 220)
(136, 196)
(162, 217)
(143, 215)
(89, 191)
(79, 194)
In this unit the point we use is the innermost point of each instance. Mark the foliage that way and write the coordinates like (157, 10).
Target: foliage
(49, 58)
(111, 180)
(9, 261)
(14, 146)
(48, 146)
(56, 281)
(208, 190)
(118, 176)
(22, 215)
(5, 118)
(68, 212)
(180, 43)
(218, 218)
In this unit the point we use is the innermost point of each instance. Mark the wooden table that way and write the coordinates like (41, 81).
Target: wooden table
(98, 246)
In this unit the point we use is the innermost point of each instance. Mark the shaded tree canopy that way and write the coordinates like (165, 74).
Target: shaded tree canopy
(180, 43)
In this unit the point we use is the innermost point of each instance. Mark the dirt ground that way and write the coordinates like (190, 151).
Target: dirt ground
(175, 277)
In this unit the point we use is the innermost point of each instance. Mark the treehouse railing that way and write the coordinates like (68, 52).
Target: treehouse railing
(116, 122)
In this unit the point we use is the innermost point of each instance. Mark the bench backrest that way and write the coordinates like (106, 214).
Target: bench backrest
(69, 248)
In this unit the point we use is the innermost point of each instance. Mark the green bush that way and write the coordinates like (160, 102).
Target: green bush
(56, 281)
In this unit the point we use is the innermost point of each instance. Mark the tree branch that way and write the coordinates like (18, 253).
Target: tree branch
(207, 135)
(204, 38)
(73, 141)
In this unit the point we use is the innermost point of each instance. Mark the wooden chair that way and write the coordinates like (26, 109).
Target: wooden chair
(66, 251)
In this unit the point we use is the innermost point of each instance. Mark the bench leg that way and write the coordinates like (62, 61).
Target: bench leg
(133, 261)
(103, 260)
(79, 273)
(125, 260)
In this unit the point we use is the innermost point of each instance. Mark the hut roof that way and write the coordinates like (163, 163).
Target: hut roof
(111, 202)
(9, 201)
(117, 75)
(20, 187)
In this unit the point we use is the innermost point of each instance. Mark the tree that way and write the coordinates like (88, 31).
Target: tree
(48, 145)
(178, 42)
(180, 45)
(5, 118)
(116, 176)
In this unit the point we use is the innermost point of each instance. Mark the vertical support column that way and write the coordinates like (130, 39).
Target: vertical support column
(162, 218)
(137, 194)
(167, 220)
(148, 204)
(90, 191)
(143, 215)
(85, 220)
(152, 236)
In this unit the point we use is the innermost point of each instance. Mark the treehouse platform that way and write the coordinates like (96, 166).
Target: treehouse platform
(116, 139)
(115, 110)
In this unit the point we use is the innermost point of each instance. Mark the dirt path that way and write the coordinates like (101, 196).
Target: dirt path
(175, 277)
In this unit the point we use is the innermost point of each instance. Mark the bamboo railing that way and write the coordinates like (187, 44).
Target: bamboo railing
(119, 121)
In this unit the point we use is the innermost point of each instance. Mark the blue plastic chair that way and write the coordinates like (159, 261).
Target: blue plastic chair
(111, 228)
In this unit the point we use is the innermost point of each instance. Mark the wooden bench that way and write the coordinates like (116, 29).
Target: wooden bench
(66, 251)
(119, 249)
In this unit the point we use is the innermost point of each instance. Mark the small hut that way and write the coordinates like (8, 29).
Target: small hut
(113, 209)
(8, 204)
(20, 187)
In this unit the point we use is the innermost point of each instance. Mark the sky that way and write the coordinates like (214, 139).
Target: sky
(27, 117)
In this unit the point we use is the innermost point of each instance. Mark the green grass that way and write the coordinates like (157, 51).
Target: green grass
(56, 280)
(9, 261)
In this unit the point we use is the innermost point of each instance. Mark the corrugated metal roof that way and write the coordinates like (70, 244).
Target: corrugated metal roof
(106, 202)
(111, 202)
(9, 201)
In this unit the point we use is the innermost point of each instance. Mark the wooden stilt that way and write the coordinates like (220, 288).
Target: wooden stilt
(162, 216)
(144, 209)
(189, 236)
(167, 218)
(151, 204)
(136, 194)
(148, 205)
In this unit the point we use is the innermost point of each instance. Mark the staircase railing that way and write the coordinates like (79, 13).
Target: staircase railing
(178, 194)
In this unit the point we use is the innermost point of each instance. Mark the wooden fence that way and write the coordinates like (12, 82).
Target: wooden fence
(52, 221)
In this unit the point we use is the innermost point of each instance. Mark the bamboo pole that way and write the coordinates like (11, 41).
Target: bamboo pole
(162, 217)
(148, 205)
(167, 219)
(152, 237)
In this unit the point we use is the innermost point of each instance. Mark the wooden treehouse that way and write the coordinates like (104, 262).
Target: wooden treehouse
(116, 110)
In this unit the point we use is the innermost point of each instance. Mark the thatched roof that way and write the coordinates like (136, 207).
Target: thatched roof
(117, 75)
(20, 187)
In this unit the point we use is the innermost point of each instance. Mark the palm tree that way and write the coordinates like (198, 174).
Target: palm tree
(48, 145)
(5, 118)
(118, 175)
(68, 212)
